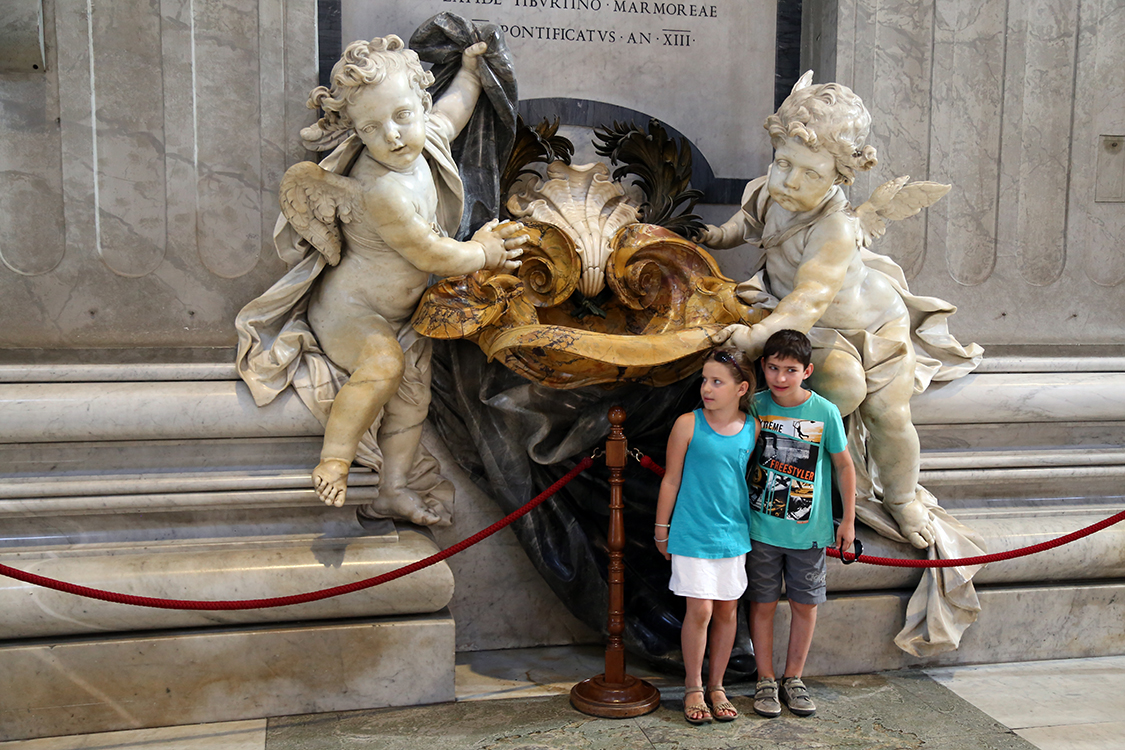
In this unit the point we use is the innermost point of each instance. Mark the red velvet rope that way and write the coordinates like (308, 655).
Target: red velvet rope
(312, 596)
(655, 468)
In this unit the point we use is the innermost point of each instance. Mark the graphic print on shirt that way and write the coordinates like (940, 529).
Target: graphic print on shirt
(781, 479)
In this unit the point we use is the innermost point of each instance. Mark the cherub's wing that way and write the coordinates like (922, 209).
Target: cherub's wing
(313, 200)
(896, 200)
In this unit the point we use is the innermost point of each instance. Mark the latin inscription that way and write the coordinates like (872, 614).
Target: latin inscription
(517, 23)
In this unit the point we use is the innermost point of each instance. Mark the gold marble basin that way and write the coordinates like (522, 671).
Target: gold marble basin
(667, 298)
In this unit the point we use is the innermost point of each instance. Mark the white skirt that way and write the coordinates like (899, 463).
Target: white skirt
(720, 580)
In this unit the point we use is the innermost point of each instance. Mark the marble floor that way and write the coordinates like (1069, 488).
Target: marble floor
(517, 699)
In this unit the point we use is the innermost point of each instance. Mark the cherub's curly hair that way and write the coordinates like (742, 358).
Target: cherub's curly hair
(828, 115)
(362, 64)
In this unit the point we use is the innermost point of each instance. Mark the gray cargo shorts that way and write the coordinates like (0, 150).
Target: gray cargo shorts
(803, 570)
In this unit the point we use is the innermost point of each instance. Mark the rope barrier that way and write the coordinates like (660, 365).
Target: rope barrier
(848, 557)
(585, 463)
(312, 596)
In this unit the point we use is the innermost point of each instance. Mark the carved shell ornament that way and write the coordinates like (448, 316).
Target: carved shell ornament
(585, 203)
(659, 296)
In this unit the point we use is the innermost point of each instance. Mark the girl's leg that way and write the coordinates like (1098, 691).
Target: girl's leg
(724, 628)
(693, 642)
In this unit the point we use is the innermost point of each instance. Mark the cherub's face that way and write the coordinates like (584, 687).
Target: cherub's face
(800, 178)
(390, 119)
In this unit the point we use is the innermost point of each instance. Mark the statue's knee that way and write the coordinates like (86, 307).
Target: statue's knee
(380, 370)
(892, 418)
(841, 380)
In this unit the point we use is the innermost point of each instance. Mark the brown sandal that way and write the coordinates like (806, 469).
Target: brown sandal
(724, 710)
(702, 713)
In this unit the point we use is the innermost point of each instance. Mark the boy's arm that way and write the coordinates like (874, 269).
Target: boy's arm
(845, 481)
(460, 99)
(829, 252)
(678, 442)
(401, 226)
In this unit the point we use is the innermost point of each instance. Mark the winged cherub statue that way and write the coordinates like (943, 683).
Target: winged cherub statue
(825, 282)
(366, 228)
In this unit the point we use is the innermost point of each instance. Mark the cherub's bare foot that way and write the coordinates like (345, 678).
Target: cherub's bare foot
(405, 505)
(330, 478)
(914, 522)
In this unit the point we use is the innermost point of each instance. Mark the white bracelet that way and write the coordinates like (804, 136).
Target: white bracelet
(664, 525)
(660, 540)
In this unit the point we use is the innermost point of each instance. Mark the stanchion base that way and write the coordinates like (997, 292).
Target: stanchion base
(633, 697)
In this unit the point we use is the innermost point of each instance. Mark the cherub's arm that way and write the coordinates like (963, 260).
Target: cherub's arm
(734, 232)
(743, 226)
(830, 250)
(460, 99)
(678, 442)
(400, 225)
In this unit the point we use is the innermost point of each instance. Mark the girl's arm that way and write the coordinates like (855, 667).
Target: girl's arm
(678, 442)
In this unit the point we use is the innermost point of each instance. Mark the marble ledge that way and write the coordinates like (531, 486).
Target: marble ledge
(1015, 624)
(218, 570)
(49, 412)
(62, 687)
(1096, 557)
(262, 500)
(172, 525)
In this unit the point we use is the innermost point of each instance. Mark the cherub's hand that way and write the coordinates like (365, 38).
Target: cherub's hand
(750, 339)
(470, 58)
(711, 235)
(503, 243)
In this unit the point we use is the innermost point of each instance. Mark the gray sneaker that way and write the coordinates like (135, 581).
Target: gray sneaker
(765, 698)
(796, 696)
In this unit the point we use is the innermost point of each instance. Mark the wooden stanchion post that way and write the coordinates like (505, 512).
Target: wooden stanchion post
(614, 694)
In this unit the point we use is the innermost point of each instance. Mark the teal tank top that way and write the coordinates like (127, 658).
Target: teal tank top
(711, 519)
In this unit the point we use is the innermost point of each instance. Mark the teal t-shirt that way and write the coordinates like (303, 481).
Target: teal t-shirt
(711, 519)
(790, 478)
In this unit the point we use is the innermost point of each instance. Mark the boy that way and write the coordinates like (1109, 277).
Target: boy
(791, 514)
(379, 210)
(858, 316)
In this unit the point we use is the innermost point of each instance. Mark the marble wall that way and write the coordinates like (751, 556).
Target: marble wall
(138, 173)
(140, 168)
(1021, 107)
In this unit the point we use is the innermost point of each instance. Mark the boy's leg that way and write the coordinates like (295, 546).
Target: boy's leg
(761, 636)
(764, 574)
(805, 577)
(802, 623)
(693, 643)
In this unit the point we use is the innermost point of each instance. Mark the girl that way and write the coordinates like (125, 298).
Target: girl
(708, 535)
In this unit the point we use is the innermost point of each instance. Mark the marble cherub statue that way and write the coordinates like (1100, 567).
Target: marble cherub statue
(824, 281)
(366, 229)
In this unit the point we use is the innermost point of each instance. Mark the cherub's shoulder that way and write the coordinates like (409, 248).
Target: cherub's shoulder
(837, 228)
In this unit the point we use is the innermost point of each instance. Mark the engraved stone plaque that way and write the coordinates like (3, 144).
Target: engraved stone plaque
(704, 68)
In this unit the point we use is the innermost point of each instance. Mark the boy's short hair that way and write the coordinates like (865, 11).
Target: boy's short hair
(788, 344)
